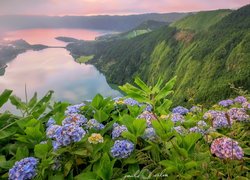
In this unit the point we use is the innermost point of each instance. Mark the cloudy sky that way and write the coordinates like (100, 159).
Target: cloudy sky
(91, 7)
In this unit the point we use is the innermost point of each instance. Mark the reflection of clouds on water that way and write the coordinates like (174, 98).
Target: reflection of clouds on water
(54, 69)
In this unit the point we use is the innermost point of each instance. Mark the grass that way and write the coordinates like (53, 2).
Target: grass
(84, 59)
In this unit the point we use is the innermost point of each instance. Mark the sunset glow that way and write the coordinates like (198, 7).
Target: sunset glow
(120, 7)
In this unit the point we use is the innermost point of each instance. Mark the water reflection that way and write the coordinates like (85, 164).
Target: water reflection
(54, 69)
(47, 36)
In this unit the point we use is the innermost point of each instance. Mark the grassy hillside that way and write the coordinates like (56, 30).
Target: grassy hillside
(205, 61)
(201, 20)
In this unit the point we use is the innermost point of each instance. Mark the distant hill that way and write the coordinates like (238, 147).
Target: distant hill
(143, 28)
(206, 55)
(103, 22)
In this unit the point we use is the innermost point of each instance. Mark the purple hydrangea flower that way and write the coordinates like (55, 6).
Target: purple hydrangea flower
(196, 129)
(238, 114)
(118, 130)
(226, 148)
(176, 117)
(240, 99)
(122, 149)
(180, 110)
(50, 122)
(148, 116)
(226, 103)
(94, 124)
(131, 102)
(221, 120)
(246, 105)
(195, 109)
(150, 134)
(210, 114)
(179, 129)
(24, 169)
(75, 119)
(74, 109)
(202, 123)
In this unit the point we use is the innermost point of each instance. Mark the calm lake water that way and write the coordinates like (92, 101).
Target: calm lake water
(54, 69)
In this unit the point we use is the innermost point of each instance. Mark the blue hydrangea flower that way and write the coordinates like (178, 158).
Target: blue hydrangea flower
(74, 109)
(196, 129)
(195, 109)
(50, 122)
(94, 124)
(176, 117)
(239, 114)
(24, 169)
(65, 135)
(75, 119)
(148, 116)
(131, 102)
(226, 148)
(180, 110)
(118, 130)
(150, 134)
(240, 99)
(226, 103)
(147, 108)
(122, 149)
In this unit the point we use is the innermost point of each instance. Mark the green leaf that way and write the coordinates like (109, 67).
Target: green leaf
(101, 116)
(190, 140)
(97, 100)
(139, 126)
(191, 164)
(33, 100)
(16, 101)
(7, 132)
(246, 151)
(4, 97)
(129, 136)
(86, 175)
(56, 177)
(105, 170)
(41, 150)
(142, 85)
(166, 90)
(68, 167)
(21, 153)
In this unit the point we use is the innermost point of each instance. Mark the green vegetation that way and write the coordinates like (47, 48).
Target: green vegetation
(121, 138)
(201, 20)
(84, 59)
(143, 28)
(206, 59)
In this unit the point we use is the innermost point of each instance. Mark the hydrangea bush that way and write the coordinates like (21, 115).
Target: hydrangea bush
(139, 136)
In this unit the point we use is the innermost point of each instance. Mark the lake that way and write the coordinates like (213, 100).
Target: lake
(54, 68)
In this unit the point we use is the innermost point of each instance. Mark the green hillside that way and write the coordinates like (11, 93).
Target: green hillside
(201, 20)
(143, 28)
(205, 62)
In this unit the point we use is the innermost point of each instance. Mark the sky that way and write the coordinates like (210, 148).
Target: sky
(112, 7)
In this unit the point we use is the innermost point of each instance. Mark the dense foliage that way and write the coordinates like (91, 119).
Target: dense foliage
(138, 137)
(207, 51)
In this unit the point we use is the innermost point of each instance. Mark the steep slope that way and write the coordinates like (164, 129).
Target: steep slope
(206, 59)
(201, 20)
